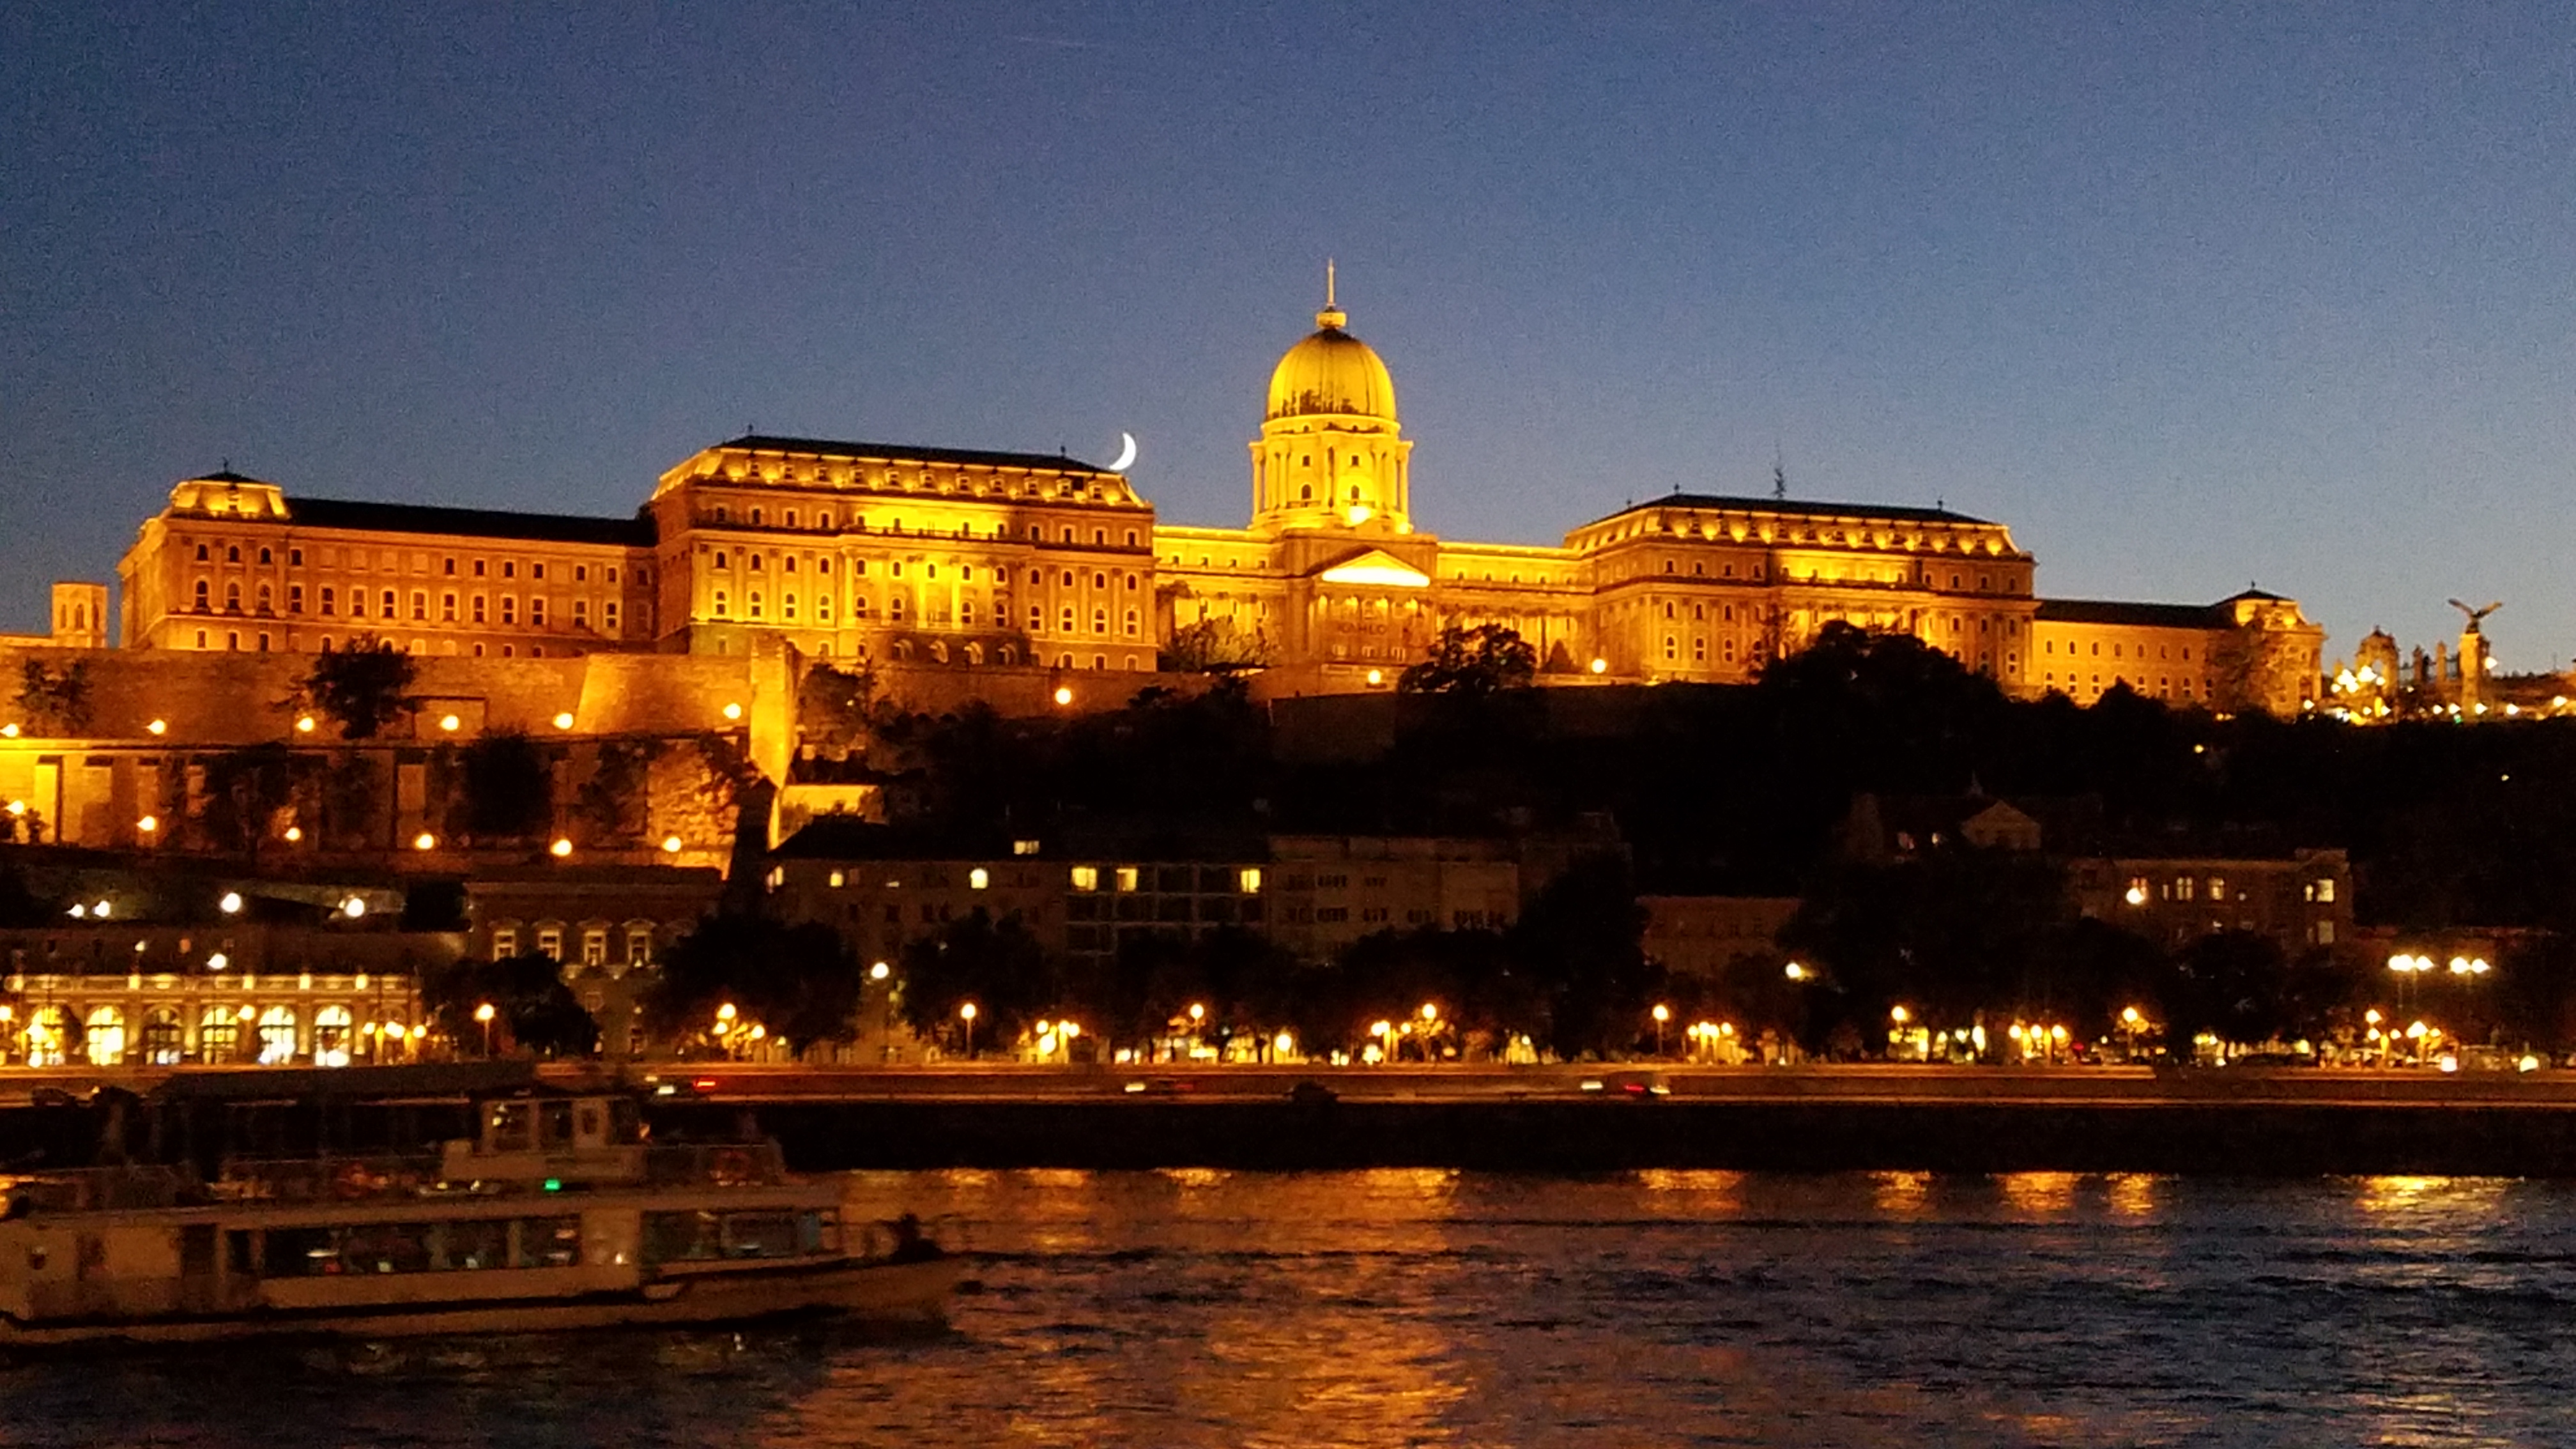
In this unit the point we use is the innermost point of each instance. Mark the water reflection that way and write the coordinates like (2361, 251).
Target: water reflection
(1399, 1308)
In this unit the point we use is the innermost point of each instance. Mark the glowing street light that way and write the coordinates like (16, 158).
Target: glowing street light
(424, 841)
(1661, 1014)
(484, 1014)
(733, 711)
(670, 845)
(563, 721)
(966, 1013)
(561, 848)
(231, 904)
(304, 724)
(1063, 695)
(1794, 971)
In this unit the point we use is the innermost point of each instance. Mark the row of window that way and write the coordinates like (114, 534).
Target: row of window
(475, 567)
(548, 941)
(757, 517)
(2049, 646)
(263, 642)
(224, 1035)
(479, 607)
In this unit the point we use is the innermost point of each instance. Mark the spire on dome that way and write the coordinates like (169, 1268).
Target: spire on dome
(1332, 317)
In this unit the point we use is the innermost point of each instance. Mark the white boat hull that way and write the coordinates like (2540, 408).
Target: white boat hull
(913, 1293)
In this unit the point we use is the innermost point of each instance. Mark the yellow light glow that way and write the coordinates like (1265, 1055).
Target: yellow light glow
(2130, 1016)
(1068, 1029)
(880, 971)
(1376, 677)
(10, 730)
(1197, 1012)
(733, 711)
(294, 833)
(424, 841)
(560, 848)
(1600, 665)
(231, 903)
(1283, 1043)
(17, 807)
(2137, 896)
(1663, 1013)
(158, 727)
(978, 878)
(670, 845)
(1376, 572)
(1430, 1012)
(484, 1012)
(449, 722)
(1063, 695)
(563, 721)
(1899, 1015)
(1794, 971)
(967, 1011)
(148, 824)
(726, 1012)
(304, 724)
(353, 907)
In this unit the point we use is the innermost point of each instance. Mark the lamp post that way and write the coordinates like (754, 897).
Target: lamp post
(885, 1033)
(966, 1014)
(1662, 1014)
(483, 1014)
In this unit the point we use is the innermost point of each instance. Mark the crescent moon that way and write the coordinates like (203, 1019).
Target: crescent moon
(1126, 453)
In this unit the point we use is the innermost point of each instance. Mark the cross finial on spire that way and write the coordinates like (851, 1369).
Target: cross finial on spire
(1328, 286)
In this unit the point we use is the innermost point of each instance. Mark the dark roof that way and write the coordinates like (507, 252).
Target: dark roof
(2113, 611)
(968, 457)
(226, 476)
(484, 522)
(1799, 506)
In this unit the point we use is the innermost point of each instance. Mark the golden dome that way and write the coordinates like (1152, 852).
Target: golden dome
(1331, 373)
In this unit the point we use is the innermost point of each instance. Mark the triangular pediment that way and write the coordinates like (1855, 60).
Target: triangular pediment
(1374, 568)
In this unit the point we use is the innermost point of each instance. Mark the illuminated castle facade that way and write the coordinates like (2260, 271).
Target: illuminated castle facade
(958, 560)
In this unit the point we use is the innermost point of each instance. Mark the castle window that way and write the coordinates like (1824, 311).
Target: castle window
(787, 606)
(1100, 581)
(721, 606)
(1068, 535)
(537, 570)
(791, 518)
(357, 603)
(265, 558)
(232, 598)
(755, 563)
(447, 609)
(608, 611)
(1069, 624)
(450, 568)
(266, 599)
(536, 612)
(612, 575)
(1037, 619)
(1100, 538)
(859, 607)
(295, 598)
(581, 573)
(509, 568)
(479, 565)
(756, 519)
(388, 604)
(823, 607)
(1131, 623)
(755, 603)
(509, 609)
(232, 554)
(580, 613)
(478, 608)
(1131, 538)
(1100, 621)
(201, 553)
(822, 566)
(788, 563)
(894, 609)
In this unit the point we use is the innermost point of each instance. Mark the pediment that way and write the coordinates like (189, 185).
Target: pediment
(1374, 568)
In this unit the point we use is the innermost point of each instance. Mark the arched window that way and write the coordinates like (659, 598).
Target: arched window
(45, 1033)
(104, 1043)
(232, 597)
(164, 1044)
(204, 596)
(332, 1031)
(232, 554)
(276, 1035)
(218, 1036)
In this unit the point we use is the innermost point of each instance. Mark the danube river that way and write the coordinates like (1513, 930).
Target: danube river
(1192, 1308)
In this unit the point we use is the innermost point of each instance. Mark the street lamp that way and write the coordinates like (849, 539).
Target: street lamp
(966, 1013)
(1384, 1031)
(1662, 1014)
(483, 1014)
(1794, 971)
(885, 1033)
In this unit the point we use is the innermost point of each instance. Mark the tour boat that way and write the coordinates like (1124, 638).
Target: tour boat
(558, 1215)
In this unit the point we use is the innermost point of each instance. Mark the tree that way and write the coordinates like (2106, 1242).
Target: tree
(55, 702)
(361, 687)
(2235, 985)
(1580, 942)
(997, 965)
(611, 802)
(836, 710)
(246, 789)
(1484, 660)
(531, 1005)
(1214, 646)
(801, 981)
(501, 787)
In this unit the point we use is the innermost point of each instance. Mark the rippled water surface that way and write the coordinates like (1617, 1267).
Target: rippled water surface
(1400, 1308)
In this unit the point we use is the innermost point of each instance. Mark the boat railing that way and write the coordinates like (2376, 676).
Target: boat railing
(98, 1189)
(722, 1164)
(326, 1179)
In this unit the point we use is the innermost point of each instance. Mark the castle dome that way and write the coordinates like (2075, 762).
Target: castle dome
(1331, 374)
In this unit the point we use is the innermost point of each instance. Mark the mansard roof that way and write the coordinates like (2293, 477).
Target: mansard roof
(2142, 616)
(904, 452)
(635, 532)
(1799, 508)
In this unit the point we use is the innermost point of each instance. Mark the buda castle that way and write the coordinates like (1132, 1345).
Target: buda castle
(1008, 566)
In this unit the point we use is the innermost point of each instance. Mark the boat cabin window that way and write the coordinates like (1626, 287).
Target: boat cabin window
(554, 1124)
(684, 1236)
(510, 1127)
(418, 1247)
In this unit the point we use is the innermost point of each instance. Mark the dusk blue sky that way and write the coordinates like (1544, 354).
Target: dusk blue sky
(2188, 295)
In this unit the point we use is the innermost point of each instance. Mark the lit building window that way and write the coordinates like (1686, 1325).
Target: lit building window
(1086, 877)
(550, 943)
(505, 944)
(1248, 880)
(978, 878)
(1127, 877)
